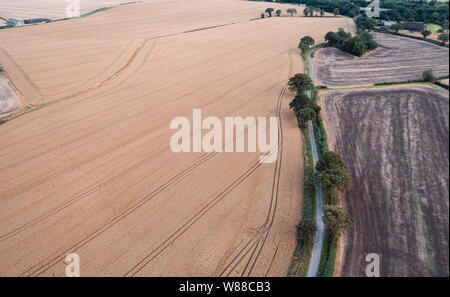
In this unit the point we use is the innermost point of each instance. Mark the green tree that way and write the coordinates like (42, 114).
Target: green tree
(305, 11)
(352, 13)
(428, 76)
(305, 43)
(332, 38)
(396, 27)
(278, 13)
(291, 11)
(300, 83)
(426, 33)
(445, 25)
(355, 46)
(306, 230)
(443, 37)
(263, 15)
(336, 11)
(365, 23)
(306, 114)
(269, 11)
(322, 12)
(337, 219)
(301, 101)
(1, 68)
(331, 172)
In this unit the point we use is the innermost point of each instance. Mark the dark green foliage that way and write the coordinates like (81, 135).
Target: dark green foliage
(331, 172)
(426, 33)
(337, 219)
(291, 11)
(307, 114)
(443, 37)
(424, 11)
(278, 13)
(305, 43)
(365, 23)
(329, 249)
(301, 101)
(306, 11)
(336, 11)
(306, 230)
(300, 83)
(357, 45)
(269, 11)
(428, 76)
(396, 27)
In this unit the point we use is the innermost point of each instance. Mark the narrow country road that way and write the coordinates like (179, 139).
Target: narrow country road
(318, 237)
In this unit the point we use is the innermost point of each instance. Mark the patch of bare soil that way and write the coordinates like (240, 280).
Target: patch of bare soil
(395, 143)
(9, 102)
(397, 59)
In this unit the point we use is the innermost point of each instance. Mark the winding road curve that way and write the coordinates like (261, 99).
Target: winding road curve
(318, 237)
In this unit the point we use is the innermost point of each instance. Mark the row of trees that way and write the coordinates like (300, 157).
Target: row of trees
(356, 45)
(396, 10)
(331, 172)
(309, 11)
(269, 11)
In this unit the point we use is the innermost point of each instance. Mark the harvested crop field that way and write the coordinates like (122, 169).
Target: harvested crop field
(397, 59)
(94, 173)
(394, 141)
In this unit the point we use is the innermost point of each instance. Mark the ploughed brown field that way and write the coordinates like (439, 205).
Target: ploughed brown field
(94, 174)
(397, 59)
(395, 142)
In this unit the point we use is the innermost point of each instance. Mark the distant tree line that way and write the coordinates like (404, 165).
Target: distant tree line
(397, 10)
(278, 12)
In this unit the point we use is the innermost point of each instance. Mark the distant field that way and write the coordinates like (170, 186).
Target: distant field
(397, 59)
(395, 142)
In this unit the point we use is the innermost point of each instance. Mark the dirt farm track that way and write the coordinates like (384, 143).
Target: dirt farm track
(94, 173)
(394, 141)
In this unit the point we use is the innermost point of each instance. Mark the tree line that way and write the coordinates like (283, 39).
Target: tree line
(269, 11)
(330, 172)
(425, 11)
